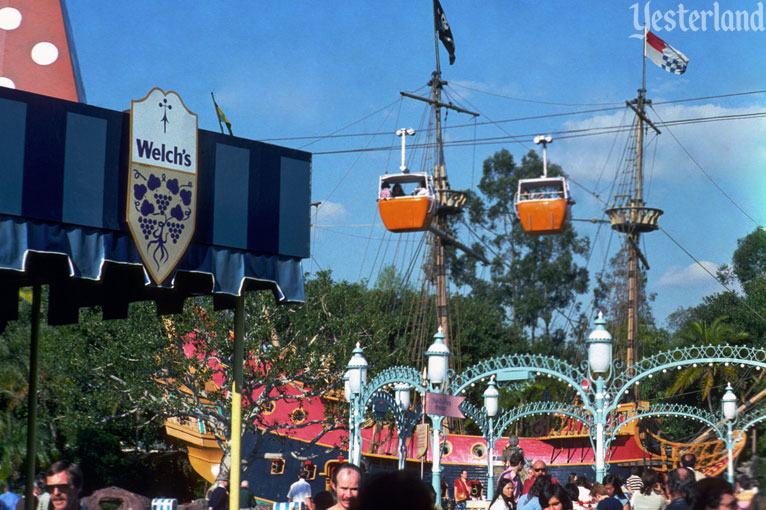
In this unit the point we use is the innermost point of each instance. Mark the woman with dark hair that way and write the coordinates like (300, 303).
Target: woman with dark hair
(530, 500)
(613, 484)
(647, 499)
(715, 494)
(503, 499)
(555, 497)
(574, 495)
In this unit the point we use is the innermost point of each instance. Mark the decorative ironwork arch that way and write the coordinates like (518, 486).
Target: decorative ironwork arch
(533, 408)
(680, 357)
(668, 410)
(753, 418)
(512, 366)
(389, 377)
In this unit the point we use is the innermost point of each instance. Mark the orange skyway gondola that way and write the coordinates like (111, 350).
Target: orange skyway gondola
(403, 209)
(543, 204)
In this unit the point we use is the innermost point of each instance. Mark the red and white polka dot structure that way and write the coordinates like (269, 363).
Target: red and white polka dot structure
(36, 49)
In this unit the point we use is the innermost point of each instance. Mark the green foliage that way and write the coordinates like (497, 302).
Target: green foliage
(749, 259)
(14, 370)
(532, 277)
(107, 386)
(707, 377)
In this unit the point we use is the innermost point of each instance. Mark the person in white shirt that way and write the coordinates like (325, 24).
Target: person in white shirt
(647, 499)
(300, 491)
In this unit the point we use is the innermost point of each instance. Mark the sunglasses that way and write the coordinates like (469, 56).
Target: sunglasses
(540, 470)
(62, 487)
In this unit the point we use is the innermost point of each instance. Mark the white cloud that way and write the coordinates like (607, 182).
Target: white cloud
(722, 148)
(329, 213)
(690, 276)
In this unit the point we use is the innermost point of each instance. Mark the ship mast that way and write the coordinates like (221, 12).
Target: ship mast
(448, 201)
(633, 218)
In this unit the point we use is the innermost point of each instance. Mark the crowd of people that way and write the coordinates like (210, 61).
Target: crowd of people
(682, 488)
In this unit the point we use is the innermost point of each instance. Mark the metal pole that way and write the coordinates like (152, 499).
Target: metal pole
(490, 460)
(436, 452)
(358, 431)
(34, 375)
(402, 451)
(436, 43)
(236, 402)
(730, 448)
(600, 422)
(351, 428)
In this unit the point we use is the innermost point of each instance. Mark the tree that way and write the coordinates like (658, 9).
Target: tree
(708, 376)
(749, 259)
(144, 369)
(533, 277)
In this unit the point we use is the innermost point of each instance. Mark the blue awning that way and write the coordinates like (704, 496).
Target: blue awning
(63, 188)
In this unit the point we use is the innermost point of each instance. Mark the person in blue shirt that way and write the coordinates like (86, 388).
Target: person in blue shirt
(531, 500)
(9, 498)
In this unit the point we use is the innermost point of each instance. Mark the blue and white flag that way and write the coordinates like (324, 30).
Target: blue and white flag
(664, 55)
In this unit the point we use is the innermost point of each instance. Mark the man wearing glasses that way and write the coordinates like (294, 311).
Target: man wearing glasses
(63, 482)
(538, 468)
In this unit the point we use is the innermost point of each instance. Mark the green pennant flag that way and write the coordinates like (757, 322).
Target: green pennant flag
(221, 117)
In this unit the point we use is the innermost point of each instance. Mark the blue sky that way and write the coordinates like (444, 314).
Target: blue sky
(308, 69)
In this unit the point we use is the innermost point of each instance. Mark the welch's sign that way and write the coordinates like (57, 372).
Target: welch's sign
(162, 182)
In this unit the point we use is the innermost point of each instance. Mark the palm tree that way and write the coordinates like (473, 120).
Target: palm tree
(707, 376)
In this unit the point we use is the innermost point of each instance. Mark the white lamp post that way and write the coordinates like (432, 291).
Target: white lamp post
(729, 410)
(402, 398)
(357, 378)
(347, 387)
(349, 396)
(491, 397)
(357, 370)
(402, 395)
(438, 354)
(600, 347)
(600, 362)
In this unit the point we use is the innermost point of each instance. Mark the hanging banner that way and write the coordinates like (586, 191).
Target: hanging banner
(162, 182)
(421, 440)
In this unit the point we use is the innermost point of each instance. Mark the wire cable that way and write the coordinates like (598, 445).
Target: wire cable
(518, 119)
(747, 305)
(707, 175)
(522, 100)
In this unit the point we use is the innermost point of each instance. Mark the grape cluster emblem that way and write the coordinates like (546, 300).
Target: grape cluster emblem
(164, 210)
